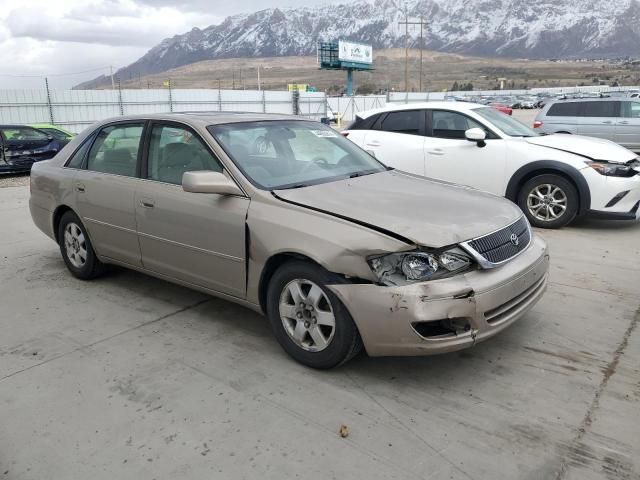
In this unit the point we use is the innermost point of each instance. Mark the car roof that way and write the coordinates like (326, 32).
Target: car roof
(443, 105)
(17, 126)
(204, 119)
(592, 99)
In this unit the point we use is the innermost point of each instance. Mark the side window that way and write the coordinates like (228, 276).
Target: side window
(76, 159)
(174, 150)
(631, 109)
(452, 125)
(406, 121)
(568, 109)
(115, 150)
(600, 109)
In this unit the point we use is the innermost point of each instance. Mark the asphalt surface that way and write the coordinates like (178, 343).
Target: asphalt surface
(129, 377)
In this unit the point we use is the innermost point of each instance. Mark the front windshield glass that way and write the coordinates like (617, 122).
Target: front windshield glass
(509, 125)
(290, 154)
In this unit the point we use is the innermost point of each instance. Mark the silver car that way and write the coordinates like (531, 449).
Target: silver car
(289, 218)
(616, 119)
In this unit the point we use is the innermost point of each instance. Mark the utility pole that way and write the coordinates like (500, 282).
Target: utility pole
(406, 24)
(259, 87)
(233, 73)
(113, 83)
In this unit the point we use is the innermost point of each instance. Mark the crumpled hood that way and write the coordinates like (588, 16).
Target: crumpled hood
(594, 148)
(426, 212)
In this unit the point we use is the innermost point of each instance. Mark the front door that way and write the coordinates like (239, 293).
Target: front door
(105, 191)
(451, 157)
(197, 238)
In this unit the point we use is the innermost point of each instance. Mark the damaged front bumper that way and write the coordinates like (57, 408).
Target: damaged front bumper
(450, 314)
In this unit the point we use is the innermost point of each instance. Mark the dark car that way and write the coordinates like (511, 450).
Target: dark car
(21, 147)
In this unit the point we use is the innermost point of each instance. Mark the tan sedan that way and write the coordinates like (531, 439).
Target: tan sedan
(289, 218)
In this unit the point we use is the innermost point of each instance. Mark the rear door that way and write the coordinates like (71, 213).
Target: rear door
(628, 126)
(397, 140)
(105, 191)
(599, 119)
(194, 237)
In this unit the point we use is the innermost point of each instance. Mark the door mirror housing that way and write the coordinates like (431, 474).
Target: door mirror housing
(476, 135)
(206, 181)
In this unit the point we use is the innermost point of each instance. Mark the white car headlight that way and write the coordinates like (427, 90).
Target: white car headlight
(611, 169)
(418, 266)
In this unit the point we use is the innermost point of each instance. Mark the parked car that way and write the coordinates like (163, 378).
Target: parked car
(287, 217)
(59, 133)
(553, 178)
(501, 108)
(21, 146)
(617, 120)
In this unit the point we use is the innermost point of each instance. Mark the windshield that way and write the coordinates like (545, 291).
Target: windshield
(290, 154)
(510, 126)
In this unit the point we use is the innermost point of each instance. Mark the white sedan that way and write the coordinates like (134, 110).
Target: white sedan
(553, 178)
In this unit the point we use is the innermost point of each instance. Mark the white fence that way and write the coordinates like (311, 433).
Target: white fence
(348, 107)
(77, 109)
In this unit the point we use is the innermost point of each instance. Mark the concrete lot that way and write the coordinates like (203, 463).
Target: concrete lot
(129, 377)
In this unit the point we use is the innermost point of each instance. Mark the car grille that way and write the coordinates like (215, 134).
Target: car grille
(500, 246)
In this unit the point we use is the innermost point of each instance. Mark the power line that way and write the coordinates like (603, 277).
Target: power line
(52, 74)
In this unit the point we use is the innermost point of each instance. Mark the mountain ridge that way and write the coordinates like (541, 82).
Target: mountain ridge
(503, 28)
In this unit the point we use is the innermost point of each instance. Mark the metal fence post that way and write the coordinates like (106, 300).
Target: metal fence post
(219, 100)
(295, 100)
(170, 97)
(120, 98)
(46, 84)
(264, 100)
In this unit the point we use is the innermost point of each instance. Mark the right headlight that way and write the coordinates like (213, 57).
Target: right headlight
(611, 169)
(418, 266)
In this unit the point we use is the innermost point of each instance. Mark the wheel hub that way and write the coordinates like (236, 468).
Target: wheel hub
(307, 315)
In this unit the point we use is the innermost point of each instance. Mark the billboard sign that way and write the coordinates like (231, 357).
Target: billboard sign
(355, 52)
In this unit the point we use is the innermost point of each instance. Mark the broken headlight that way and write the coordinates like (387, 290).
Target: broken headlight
(611, 169)
(418, 266)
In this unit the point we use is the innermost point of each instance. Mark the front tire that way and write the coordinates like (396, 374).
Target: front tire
(549, 201)
(77, 251)
(308, 320)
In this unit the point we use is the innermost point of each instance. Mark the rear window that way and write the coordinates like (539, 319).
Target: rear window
(406, 121)
(568, 109)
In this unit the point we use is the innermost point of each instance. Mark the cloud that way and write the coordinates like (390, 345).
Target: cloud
(108, 22)
(58, 38)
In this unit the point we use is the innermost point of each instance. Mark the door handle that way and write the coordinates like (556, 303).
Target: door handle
(607, 122)
(373, 143)
(624, 122)
(147, 203)
(80, 187)
(436, 151)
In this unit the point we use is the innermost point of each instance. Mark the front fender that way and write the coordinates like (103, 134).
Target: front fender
(540, 167)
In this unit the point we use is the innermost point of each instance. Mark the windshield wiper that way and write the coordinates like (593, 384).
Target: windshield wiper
(297, 185)
(362, 174)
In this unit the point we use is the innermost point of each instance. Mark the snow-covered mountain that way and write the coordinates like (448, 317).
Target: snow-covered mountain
(511, 28)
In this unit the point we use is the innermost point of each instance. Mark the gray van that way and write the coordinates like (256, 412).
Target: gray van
(615, 119)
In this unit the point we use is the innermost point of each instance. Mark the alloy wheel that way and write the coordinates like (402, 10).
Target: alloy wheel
(75, 245)
(307, 315)
(547, 202)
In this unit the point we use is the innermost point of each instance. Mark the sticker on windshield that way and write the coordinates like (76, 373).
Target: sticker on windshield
(324, 133)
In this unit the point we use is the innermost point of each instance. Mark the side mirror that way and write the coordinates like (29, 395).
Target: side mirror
(206, 181)
(476, 135)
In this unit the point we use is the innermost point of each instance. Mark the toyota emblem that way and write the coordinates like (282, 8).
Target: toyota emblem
(514, 240)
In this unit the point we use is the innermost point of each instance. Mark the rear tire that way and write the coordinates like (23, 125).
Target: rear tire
(549, 201)
(77, 251)
(308, 320)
